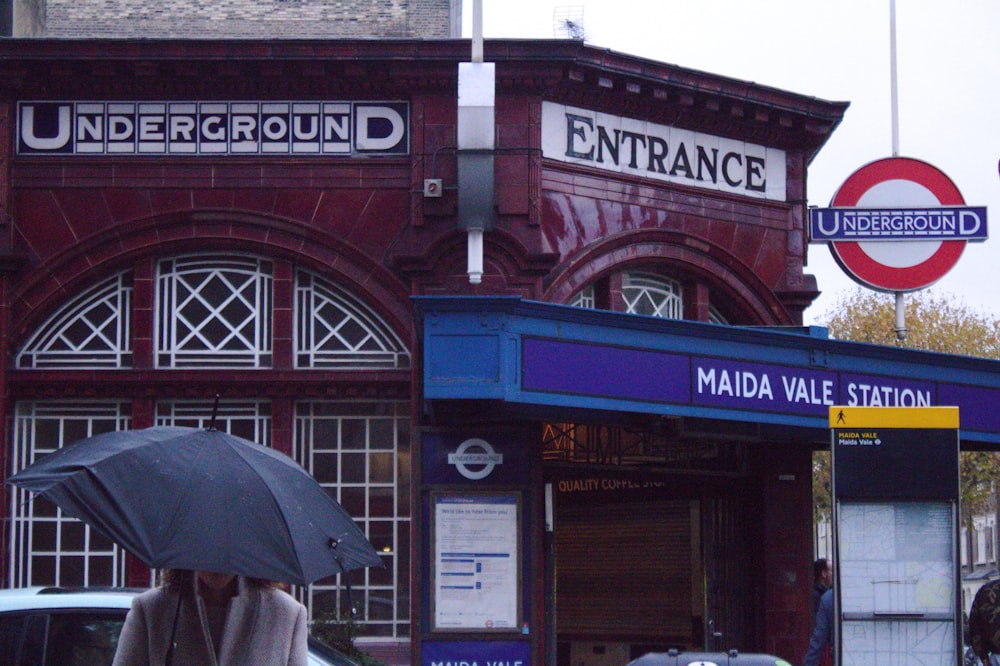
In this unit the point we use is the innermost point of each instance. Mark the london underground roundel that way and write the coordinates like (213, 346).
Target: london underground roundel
(897, 224)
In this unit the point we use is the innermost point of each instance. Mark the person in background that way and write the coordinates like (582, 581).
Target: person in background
(213, 619)
(822, 581)
(984, 622)
(822, 636)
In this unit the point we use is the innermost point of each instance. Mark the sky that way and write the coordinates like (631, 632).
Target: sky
(948, 83)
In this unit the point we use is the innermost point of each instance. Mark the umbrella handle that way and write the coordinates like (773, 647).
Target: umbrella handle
(347, 577)
(173, 633)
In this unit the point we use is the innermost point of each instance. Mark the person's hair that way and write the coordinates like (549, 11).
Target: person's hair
(819, 567)
(183, 579)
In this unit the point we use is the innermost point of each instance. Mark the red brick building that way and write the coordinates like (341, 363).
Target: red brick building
(251, 219)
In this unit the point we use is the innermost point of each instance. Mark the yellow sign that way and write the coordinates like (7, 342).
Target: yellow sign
(893, 417)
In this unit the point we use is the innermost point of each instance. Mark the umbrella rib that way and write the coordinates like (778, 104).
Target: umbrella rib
(274, 502)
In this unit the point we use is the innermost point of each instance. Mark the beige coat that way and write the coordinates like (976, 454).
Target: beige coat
(264, 627)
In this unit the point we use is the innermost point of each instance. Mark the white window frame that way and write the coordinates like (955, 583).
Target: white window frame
(376, 455)
(39, 429)
(585, 298)
(333, 329)
(90, 331)
(184, 285)
(666, 296)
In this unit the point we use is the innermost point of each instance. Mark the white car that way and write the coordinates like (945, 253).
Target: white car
(50, 626)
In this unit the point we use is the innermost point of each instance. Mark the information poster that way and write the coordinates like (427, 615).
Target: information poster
(476, 562)
(896, 558)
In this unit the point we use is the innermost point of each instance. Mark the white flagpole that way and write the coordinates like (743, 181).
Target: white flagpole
(894, 103)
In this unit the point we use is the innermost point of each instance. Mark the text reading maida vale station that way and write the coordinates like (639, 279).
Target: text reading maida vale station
(661, 377)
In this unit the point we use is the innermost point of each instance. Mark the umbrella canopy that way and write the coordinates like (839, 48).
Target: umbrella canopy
(187, 498)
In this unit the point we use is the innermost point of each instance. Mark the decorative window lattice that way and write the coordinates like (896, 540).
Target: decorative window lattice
(360, 452)
(716, 317)
(652, 295)
(91, 331)
(49, 547)
(335, 330)
(585, 298)
(214, 312)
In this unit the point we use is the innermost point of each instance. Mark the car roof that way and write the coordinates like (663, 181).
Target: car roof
(118, 599)
(35, 598)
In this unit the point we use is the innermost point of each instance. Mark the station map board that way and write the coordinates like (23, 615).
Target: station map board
(896, 493)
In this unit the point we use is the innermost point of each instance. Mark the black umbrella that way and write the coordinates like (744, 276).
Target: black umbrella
(187, 498)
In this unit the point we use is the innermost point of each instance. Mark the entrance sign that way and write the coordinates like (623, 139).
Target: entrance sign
(634, 147)
(896, 490)
(897, 224)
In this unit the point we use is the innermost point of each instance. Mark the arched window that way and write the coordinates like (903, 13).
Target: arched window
(335, 330)
(652, 295)
(585, 298)
(214, 312)
(90, 331)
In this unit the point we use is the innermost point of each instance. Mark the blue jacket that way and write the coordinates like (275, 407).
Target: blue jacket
(823, 633)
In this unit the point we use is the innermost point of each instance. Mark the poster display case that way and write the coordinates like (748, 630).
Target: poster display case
(897, 566)
(476, 563)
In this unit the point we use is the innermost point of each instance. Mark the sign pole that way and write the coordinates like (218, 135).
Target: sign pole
(892, 78)
(900, 315)
(894, 92)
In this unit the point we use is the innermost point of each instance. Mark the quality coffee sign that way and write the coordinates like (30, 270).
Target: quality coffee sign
(193, 128)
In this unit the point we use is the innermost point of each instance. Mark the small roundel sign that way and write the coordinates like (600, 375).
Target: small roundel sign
(897, 224)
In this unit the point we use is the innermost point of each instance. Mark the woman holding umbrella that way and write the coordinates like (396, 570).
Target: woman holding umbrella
(213, 619)
(207, 502)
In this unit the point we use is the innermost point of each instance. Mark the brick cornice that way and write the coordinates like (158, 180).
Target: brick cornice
(561, 70)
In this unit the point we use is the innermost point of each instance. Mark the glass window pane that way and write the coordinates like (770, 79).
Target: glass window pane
(382, 433)
(74, 430)
(353, 434)
(43, 535)
(71, 571)
(353, 468)
(46, 434)
(380, 502)
(381, 467)
(73, 536)
(380, 533)
(353, 501)
(324, 434)
(324, 467)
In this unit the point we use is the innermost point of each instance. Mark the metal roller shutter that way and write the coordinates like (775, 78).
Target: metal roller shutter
(624, 571)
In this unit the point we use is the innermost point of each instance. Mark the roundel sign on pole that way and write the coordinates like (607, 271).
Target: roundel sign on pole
(897, 224)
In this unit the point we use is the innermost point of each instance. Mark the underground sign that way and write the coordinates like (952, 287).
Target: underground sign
(897, 224)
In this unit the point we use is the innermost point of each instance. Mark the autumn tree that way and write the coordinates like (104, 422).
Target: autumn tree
(934, 322)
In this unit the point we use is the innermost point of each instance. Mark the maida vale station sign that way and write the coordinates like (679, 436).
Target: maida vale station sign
(218, 128)
(660, 152)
